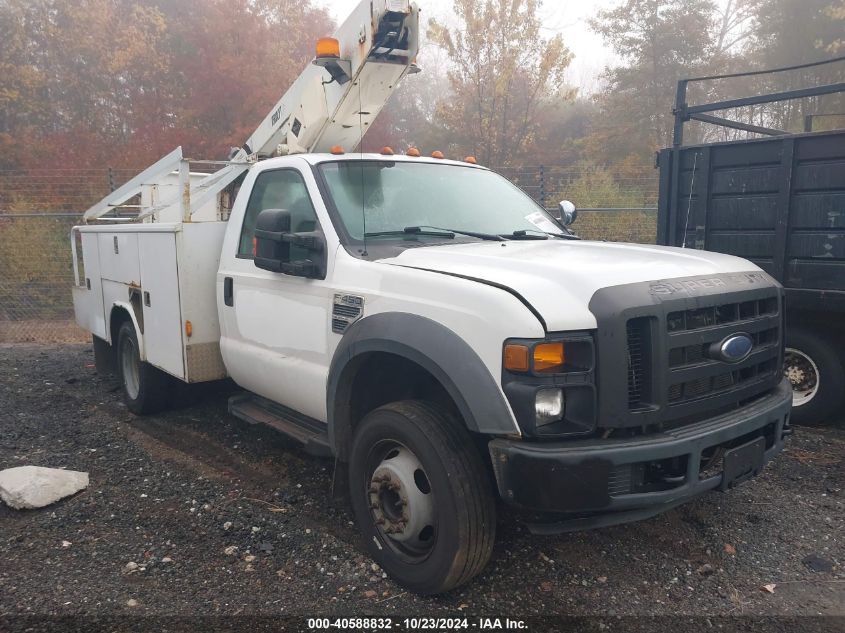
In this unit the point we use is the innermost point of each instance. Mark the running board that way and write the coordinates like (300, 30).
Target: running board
(257, 410)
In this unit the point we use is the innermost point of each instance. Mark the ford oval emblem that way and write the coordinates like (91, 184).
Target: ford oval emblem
(734, 349)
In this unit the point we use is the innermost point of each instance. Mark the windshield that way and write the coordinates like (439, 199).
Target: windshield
(397, 195)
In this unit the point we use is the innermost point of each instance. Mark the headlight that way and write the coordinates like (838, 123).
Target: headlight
(548, 406)
(550, 384)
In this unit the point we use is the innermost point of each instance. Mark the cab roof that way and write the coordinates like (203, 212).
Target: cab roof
(316, 159)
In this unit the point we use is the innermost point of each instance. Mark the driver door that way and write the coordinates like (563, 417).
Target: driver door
(275, 332)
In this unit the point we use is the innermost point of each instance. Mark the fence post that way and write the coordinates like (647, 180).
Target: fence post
(111, 179)
(543, 185)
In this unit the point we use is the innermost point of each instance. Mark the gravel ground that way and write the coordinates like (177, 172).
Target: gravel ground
(194, 512)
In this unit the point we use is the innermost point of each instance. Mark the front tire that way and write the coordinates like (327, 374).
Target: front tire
(145, 388)
(421, 497)
(817, 376)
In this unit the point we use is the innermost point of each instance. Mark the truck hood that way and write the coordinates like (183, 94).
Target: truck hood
(558, 278)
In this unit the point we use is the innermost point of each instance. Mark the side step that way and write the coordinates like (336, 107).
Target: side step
(313, 435)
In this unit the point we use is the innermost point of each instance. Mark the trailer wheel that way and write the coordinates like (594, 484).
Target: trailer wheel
(421, 496)
(145, 388)
(816, 374)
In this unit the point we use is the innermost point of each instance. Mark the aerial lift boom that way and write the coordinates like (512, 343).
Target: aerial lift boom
(332, 103)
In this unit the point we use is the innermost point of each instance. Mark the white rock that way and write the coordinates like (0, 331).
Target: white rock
(30, 487)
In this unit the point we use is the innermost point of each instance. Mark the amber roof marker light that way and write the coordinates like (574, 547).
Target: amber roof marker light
(413, 151)
(328, 47)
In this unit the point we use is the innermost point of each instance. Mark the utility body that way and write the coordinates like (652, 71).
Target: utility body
(439, 334)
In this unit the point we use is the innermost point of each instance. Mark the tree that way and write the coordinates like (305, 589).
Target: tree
(503, 74)
(122, 82)
(659, 42)
(836, 12)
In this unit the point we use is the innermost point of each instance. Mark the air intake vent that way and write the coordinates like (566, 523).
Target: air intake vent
(346, 310)
(639, 364)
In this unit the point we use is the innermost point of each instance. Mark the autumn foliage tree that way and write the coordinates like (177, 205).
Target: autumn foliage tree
(503, 74)
(121, 82)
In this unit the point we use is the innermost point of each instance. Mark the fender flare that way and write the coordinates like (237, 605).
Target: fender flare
(435, 348)
(129, 309)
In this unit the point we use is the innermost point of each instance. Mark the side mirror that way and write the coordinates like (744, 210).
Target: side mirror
(568, 212)
(273, 242)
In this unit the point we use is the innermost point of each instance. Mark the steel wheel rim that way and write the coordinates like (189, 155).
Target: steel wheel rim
(401, 501)
(130, 367)
(803, 374)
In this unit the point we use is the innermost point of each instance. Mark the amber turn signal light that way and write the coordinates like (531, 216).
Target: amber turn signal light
(328, 47)
(549, 357)
(516, 357)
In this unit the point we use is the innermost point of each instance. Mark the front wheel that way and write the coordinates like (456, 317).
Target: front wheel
(145, 388)
(421, 497)
(816, 373)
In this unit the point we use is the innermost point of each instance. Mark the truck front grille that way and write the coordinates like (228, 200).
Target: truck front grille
(671, 371)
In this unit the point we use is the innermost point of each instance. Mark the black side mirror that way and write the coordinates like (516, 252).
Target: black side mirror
(568, 212)
(273, 242)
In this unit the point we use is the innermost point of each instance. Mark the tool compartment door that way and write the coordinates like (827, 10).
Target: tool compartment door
(160, 301)
(88, 296)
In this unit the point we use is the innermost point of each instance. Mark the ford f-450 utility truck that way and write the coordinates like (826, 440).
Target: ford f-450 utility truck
(430, 327)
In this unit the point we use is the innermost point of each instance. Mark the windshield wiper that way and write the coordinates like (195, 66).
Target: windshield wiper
(436, 231)
(411, 231)
(528, 234)
(481, 236)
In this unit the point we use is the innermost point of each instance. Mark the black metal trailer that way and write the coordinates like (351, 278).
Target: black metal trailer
(779, 202)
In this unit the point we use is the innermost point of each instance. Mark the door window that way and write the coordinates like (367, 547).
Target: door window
(279, 189)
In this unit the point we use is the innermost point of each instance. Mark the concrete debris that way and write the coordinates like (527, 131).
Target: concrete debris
(31, 487)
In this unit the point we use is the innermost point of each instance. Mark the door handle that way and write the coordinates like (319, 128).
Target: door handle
(228, 291)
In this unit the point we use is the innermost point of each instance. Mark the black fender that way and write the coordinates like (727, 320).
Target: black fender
(432, 346)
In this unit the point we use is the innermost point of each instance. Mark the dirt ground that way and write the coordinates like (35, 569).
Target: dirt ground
(194, 512)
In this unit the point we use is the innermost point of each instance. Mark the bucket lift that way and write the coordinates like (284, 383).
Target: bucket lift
(333, 102)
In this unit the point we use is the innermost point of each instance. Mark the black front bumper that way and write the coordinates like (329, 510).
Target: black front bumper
(600, 482)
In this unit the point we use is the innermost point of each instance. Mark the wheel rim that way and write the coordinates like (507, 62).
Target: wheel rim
(803, 375)
(401, 501)
(130, 367)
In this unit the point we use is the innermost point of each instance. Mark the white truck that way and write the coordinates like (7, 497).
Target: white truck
(430, 327)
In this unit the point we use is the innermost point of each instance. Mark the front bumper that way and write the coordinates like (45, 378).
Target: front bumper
(601, 482)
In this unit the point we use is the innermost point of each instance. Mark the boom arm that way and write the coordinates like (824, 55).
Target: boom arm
(332, 102)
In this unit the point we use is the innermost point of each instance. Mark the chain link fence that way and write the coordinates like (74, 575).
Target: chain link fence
(39, 207)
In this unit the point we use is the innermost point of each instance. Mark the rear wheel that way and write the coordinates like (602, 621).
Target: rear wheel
(421, 497)
(145, 388)
(817, 376)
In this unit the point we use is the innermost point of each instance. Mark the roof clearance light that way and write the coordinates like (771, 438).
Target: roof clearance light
(337, 150)
(328, 47)
(471, 160)
(413, 151)
(387, 151)
(437, 154)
